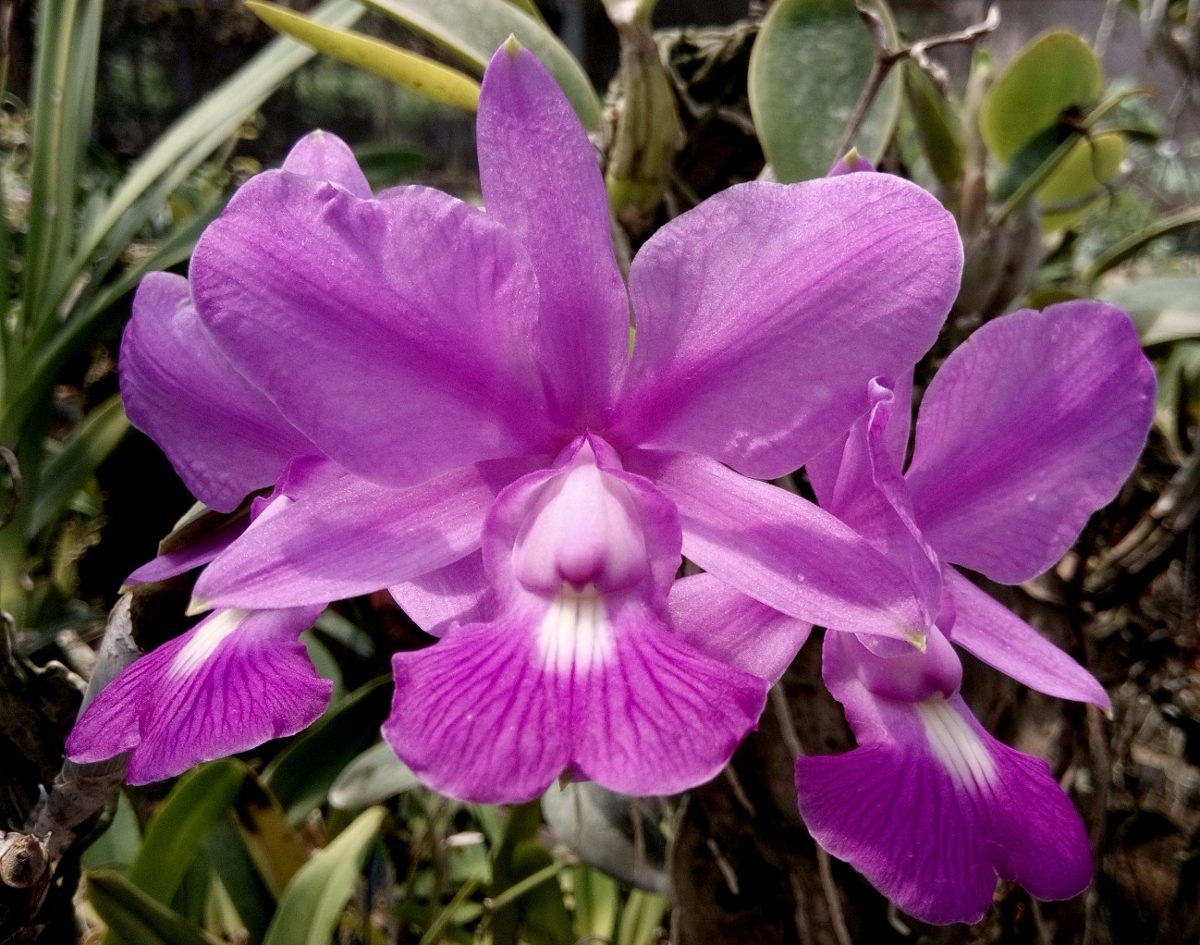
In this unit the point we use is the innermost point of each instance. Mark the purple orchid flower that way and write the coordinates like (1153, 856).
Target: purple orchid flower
(1030, 426)
(238, 678)
(524, 484)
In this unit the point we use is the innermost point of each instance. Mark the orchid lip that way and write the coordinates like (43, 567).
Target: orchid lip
(957, 745)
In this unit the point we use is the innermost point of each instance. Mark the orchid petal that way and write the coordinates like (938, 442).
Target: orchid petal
(222, 435)
(826, 467)
(870, 495)
(729, 626)
(232, 682)
(458, 593)
(395, 333)
(490, 714)
(762, 314)
(541, 178)
(185, 559)
(326, 157)
(782, 550)
(344, 536)
(1029, 427)
(990, 631)
(931, 808)
(662, 717)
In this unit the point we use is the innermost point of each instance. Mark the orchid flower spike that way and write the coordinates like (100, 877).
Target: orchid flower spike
(1027, 428)
(525, 486)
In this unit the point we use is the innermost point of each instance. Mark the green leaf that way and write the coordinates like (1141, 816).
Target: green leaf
(1055, 72)
(809, 64)
(302, 774)
(423, 75)
(194, 808)
(1165, 309)
(253, 901)
(939, 129)
(313, 902)
(272, 844)
(472, 30)
(643, 914)
(69, 470)
(596, 904)
(136, 917)
(68, 40)
(371, 778)
(203, 128)
(118, 845)
(1136, 242)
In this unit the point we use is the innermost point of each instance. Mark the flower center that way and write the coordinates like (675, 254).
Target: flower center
(209, 636)
(575, 634)
(582, 531)
(957, 745)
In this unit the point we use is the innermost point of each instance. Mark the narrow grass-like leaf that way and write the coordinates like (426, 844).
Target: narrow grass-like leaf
(313, 902)
(1136, 242)
(421, 74)
(938, 126)
(198, 803)
(302, 774)
(69, 470)
(64, 81)
(471, 30)
(642, 915)
(253, 901)
(134, 916)
(200, 130)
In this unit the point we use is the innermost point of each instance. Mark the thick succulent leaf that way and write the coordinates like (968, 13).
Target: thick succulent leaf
(809, 64)
(1055, 72)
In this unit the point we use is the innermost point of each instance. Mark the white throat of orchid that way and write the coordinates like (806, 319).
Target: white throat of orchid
(581, 544)
(957, 745)
(209, 635)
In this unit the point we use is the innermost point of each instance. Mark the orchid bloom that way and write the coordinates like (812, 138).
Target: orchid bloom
(523, 483)
(1027, 428)
(213, 691)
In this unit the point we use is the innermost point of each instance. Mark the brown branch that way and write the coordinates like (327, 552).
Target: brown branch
(886, 58)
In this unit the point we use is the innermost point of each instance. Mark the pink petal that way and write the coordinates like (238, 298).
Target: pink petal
(762, 314)
(870, 495)
(457, 593)
(782, 550)
(987, 629)
(222, 434)
(395, 333)
(826, 467)
(1028, 428)
(344, 536)
(232, 682)
(326, 157)
(662, 717)
(192, 556)
(541, 178)
(729, 626)
(488, 714)
(932, 809)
